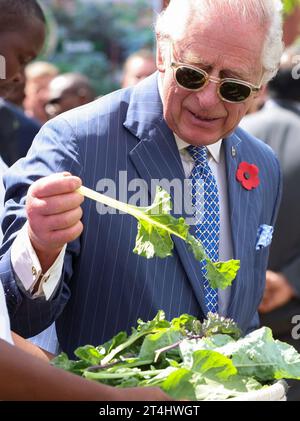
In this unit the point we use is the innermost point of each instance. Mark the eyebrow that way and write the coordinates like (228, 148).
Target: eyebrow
(195, 60)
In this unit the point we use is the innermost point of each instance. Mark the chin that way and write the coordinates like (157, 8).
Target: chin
(201, 139)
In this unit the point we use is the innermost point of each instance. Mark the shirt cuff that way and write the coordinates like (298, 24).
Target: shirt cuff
(28, 269)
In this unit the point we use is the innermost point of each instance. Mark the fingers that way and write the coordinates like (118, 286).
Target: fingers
(54, 212)
(53, 205)
(54, 184)
(54, 241)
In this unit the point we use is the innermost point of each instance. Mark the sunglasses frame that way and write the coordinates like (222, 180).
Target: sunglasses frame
(220, 81)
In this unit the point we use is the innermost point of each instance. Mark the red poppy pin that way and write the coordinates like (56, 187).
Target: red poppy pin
(247, 175)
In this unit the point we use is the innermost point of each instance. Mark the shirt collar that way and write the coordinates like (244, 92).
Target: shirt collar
(214, 149)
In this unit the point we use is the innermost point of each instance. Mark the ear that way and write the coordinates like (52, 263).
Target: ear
(161, 56)
(262, 93)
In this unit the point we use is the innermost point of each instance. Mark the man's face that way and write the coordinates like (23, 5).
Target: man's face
(19, 48)
(138, 69)
(224, 50)
(36, 91)
(61, 97)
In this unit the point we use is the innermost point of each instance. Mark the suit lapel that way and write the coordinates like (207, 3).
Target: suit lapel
(243, 220)
(156, 157)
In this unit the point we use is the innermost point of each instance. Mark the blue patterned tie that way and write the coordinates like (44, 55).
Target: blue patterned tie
(205, 200)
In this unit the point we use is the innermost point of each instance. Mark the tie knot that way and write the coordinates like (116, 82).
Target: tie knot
(199, 154)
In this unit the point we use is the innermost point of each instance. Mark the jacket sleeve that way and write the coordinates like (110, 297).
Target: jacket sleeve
(54, 150)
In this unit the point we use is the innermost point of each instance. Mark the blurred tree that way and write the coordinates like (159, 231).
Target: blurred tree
(94, 38)
(290, 5)
(292, 21)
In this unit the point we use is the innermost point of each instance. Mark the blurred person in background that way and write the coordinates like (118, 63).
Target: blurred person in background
(17, 95)
(17, 132)
(278, 125)
(68, 91)
(137, 67)
(38, 76)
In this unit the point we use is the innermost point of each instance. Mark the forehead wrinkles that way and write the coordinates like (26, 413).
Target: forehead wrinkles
(213, 58)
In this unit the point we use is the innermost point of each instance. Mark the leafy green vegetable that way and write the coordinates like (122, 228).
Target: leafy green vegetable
(259, 355)
(217, 324)
(155, 227)
(188, 359)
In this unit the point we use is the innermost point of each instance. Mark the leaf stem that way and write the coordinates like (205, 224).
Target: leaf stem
(124, 207)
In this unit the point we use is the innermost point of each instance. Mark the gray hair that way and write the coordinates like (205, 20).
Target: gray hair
(172, 23)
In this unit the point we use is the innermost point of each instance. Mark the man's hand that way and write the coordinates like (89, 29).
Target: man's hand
(278, 292)
(54, 213)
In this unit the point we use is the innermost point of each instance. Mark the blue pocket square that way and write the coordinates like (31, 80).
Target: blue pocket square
(264, 236)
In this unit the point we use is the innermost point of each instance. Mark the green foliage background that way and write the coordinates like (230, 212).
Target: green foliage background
(113, 29)
(289, 5)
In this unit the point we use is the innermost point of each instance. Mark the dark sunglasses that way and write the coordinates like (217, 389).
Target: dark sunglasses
(229, 90)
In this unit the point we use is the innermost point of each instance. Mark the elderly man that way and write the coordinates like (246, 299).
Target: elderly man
(178, 124)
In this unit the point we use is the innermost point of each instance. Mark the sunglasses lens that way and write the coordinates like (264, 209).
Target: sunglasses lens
(234, 91)
(189, 78)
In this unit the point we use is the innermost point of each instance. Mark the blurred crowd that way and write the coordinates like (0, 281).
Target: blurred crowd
(42, 92)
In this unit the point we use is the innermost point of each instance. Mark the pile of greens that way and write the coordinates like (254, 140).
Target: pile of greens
(188, 359)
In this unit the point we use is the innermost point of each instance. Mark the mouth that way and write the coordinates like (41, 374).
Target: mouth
(203, 121)
(203, 118)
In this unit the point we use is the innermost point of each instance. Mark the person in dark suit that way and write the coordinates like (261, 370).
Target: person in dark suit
(278, 125)
(80, 269)
(17, 132)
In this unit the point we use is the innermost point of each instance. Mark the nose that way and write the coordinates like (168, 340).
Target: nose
(20, 76)
(208, 96)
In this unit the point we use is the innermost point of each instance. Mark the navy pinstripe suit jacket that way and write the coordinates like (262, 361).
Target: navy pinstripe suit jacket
(104, 286)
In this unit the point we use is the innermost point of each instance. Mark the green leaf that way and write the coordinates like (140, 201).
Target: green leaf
(156, 226)
(157, 341)
(213, 390)
(62, 361)
(215, 324)
(89, 354)
(212, 364)
(222, 274)
(154, 239)
(196, 247)
(207, 366)
(187, 323)
(178, 385)
(259, 355)
(143, 329)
